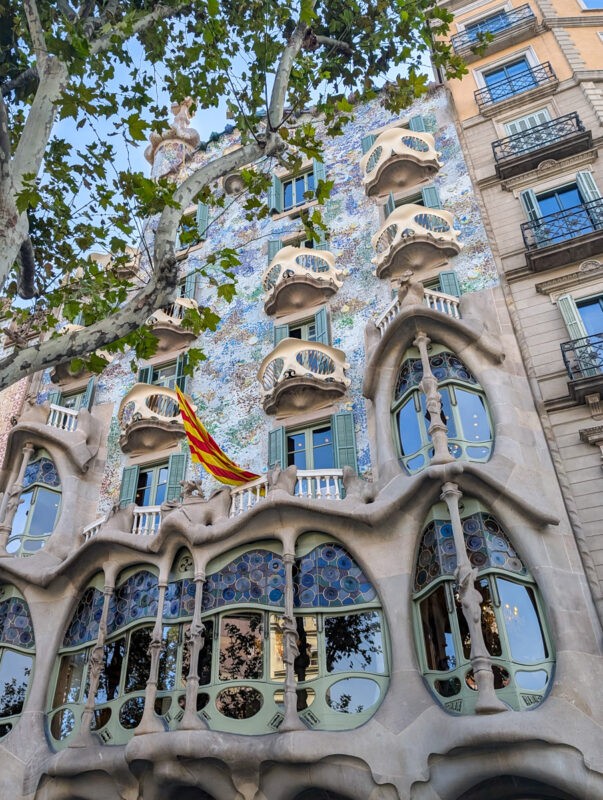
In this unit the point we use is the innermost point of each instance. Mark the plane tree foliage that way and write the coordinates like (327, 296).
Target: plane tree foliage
(104, 70)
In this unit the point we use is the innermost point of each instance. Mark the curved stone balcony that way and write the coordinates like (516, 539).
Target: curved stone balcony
(399, 158)
(167, 324)
(149, 418)
(414, 237)
(301, 376)
(299, 277)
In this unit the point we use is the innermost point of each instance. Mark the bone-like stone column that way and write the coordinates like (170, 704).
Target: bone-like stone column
(291, 721)
(429, 387)
(96, 662)
(195, 643)
(12, 498)
(471, 599)
(150, 722)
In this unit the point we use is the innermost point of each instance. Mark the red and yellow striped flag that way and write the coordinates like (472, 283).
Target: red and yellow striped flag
(205, 451)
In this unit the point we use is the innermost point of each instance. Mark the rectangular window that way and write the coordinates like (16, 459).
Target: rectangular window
(311, 448)
(168, 375)
(509, 79)
(313, 329)
(591, 5)
(428, 197)
(292, 191)
(591, 314)
(527, 122)
(491, 24)
(152, 485)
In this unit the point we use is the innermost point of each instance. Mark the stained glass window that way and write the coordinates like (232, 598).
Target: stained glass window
(256, 576)
(16, 657)
(328, 577)
(136, 598)
(85, 621)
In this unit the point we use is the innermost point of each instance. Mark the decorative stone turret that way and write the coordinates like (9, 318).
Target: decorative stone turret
(168, 149)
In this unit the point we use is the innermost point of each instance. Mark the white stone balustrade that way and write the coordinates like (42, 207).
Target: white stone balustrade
(319, 484)
(90, 531)
(398, 158)
(146, 520)
(245, 497)
(414, 237)
(172, 314)
(65, 419)
(298, 277)
(437, 301)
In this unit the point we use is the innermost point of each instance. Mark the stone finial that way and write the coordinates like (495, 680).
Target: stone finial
(179, 132)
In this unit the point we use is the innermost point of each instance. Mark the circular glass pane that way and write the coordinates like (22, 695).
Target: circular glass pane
(62, 724)
(131, 712)
(241, 702)
(353, 695)
(100, 719)
(13, 545)
(448, 687)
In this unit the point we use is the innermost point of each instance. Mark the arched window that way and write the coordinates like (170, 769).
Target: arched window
(512, 617)
(16, 657)
(464, 410)
(38, 511)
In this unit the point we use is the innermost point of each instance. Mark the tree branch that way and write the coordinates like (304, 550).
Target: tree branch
(29, 74)
(27, 261)
(66, 10)
(161, 12)
(5, 149)
(34, 23)
(336, 44)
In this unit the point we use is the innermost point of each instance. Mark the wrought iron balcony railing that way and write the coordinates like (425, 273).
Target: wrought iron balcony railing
(515, 19)
(523, 81)
(563, 226)
(583, 358)
(545, 135)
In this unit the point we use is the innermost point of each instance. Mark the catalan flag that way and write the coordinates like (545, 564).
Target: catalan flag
(205, 451)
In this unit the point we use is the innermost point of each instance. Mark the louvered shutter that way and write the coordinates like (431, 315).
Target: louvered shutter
(571, 316)
(280, 332)
(129, 484)
(367, 142)
(344, 439)
(274, 245)
(528, 121)
(320, 173)
(417, 123)
(449, 283)
(54, 398)
(587, 187)
(431, 198)
(176, 473)
(390, 206)
(202, 219)
(277, 446)
(530, 204)
(322, 326)
(190, 285)
(275, 196)
(145, 375)
(181, 362)
(88, 396)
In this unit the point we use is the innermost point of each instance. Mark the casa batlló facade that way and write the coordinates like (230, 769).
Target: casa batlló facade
(396, 608)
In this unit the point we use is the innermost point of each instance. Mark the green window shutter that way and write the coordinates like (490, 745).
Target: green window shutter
(274, 245)
(344, 438)
(367, 142)
(280, 332)
(176, 473)
(54, 398)
(587, 187)
(449, 283)
(181, 362)
(390, 206)
(417, 123)
(190, 285)
(530, 204)
(88, 396)
(277, 446)
(145, 374)
(431, 198)
(129, 484)
(322, 326)
(275, 196)
(202, 219)
(79, 320)
(571, 316)
(320, 173)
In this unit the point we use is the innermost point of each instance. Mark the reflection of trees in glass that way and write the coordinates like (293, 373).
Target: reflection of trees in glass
(108, 684)
(13, 696)
(343, 705)
(131, 712)
(241, 647)
(239, 702)
(166, 679)
(354, 642)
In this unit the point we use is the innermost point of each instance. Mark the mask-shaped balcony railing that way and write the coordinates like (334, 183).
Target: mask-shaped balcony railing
(438, 301)
(529, 78)
(505, 24)
(399, 158)
(149, 417)
(563, 226)
(172, 314)
(414, 237)
(299, 277)
(583, 358)
(299, 376)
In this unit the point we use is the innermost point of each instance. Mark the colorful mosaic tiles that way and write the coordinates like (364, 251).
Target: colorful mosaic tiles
(84, 623)
(134, 599)
(487, 547)
(42, 470)
(257, 576)
(328, 577)
(179, 599)
(15, 623)
(445, 366)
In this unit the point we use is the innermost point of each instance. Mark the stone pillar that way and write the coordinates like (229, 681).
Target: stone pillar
(96, 662)
(471, 599)
(195, 643)
(150, 722)
(429, 387)
(12, 498)
(290, 651)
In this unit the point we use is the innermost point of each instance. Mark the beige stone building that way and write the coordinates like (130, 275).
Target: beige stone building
(402, 605)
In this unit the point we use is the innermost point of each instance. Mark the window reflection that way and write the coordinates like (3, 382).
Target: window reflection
(354, 643)
(522, 625)
(437, 631)
(108, 686)
(15, 669)
(69, 683)
(240, 647)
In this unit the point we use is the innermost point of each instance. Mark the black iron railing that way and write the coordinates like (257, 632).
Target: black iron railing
(516, 19)
(583, 358)
(523, 81)
(563, 225)
(556, 130)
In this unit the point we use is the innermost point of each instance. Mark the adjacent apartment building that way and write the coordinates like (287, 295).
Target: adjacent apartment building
(402, 604)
